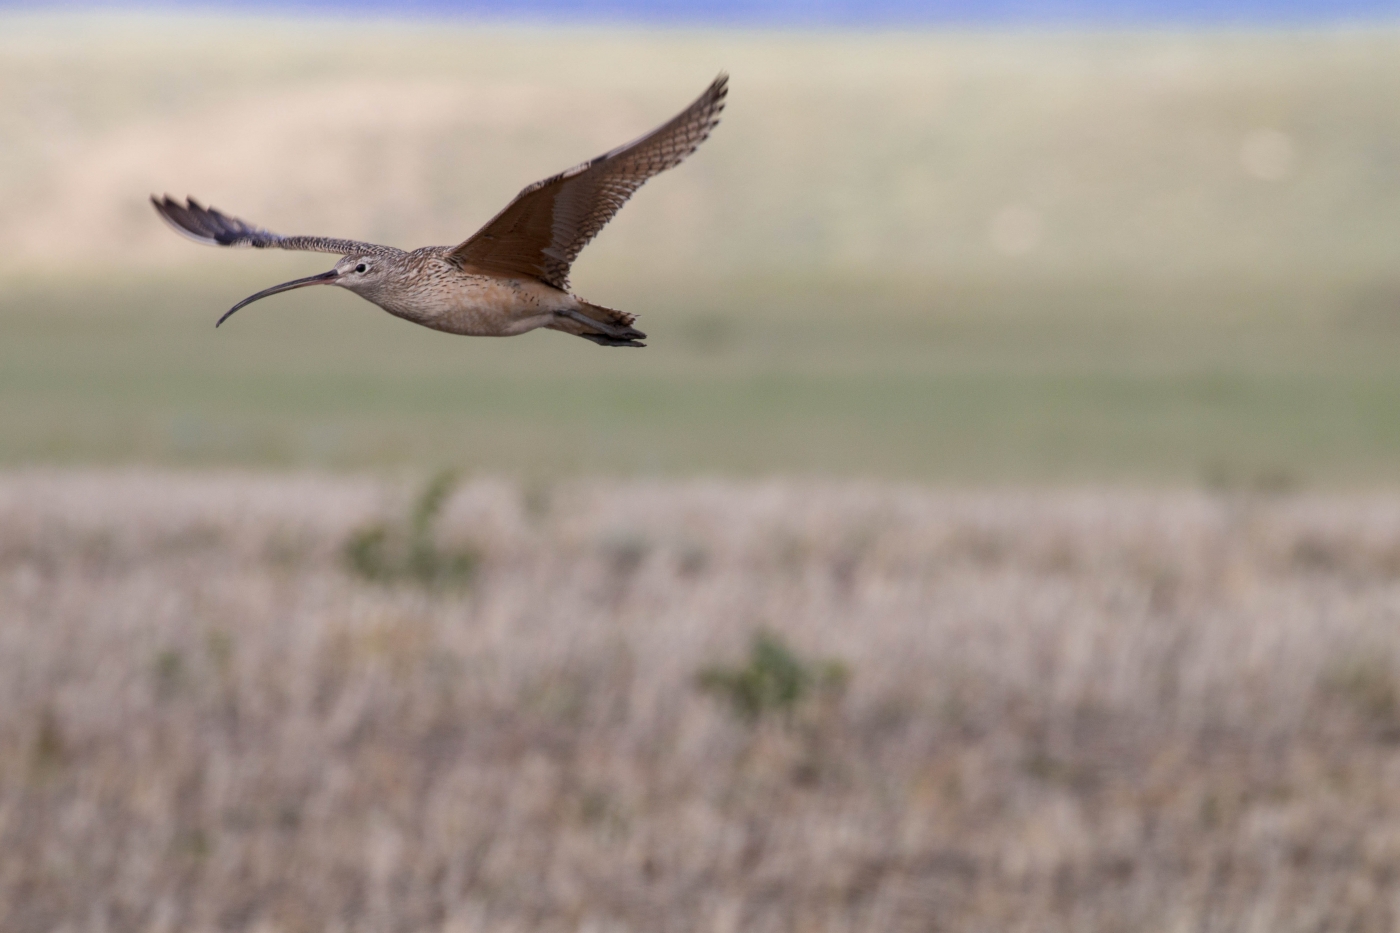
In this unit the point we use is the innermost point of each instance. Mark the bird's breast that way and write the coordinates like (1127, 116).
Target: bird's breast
(474, 305)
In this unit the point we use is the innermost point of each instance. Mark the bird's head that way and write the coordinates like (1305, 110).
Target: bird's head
(359, 271)
(356, 271)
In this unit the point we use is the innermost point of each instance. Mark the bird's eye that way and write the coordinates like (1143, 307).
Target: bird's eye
(361, 267)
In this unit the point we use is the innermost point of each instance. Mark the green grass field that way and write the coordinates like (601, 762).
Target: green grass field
(1159, 258)
(1215, 383)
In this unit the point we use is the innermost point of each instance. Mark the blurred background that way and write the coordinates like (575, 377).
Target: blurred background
(1021, 242)
(1000, 531)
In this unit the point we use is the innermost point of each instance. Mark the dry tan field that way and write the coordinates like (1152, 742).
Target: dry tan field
(237, 703)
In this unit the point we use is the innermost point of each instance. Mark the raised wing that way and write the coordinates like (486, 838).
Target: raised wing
(542, 231)
(216, 228)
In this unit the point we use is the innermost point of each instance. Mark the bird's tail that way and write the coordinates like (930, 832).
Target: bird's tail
(603, 326)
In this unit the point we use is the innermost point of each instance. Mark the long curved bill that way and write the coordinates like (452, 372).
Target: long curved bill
(321, 279)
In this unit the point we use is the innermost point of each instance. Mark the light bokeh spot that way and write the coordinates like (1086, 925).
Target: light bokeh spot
(1015, 229)
(1268, 155)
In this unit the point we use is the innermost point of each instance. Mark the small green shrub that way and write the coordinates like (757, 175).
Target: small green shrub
(774, 681)
(1369, 687)
(168, 671)
(388, 552)
(625, 553)
(50, 752)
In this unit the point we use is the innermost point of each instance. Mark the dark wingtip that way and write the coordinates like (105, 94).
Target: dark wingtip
(183, 218)
(717, 92)
(205, 224)
(162, 205)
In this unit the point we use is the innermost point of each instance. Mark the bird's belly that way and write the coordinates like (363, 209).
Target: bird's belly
(483, 307)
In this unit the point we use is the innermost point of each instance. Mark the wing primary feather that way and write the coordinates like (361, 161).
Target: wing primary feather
(209, 225)
(212, 226)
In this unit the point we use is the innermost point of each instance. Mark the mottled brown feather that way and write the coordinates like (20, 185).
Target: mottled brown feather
(542, 231)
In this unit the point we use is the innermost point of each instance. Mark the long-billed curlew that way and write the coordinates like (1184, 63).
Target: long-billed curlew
(512, 275)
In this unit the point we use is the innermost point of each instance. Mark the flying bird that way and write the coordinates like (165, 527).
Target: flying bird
(512, 275)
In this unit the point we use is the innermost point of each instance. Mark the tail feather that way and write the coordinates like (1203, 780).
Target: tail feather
(605, 341)
(608, 327)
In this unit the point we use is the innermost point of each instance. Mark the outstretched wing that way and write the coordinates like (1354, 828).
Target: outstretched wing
(216, 228)
(542, 231)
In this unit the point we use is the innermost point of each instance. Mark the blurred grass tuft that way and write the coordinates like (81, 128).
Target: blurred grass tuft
(408, 551)
(774, 681)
